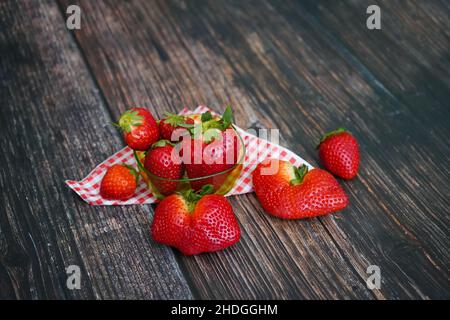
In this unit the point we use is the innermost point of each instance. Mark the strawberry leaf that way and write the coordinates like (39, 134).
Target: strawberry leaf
(206, 116)
(222, 124)
(227, 118)
(206, 189)
(161, 143)
(174, 119)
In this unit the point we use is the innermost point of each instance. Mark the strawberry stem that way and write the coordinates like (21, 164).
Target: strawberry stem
(300, 174)
(192, 197)
(115, 125)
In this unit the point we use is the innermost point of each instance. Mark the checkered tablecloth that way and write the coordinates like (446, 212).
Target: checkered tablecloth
(257, 150)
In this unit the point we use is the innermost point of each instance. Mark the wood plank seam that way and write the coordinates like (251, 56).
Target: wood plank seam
(182, 267)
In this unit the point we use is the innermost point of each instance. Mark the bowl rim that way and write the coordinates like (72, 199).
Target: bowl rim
(238, 163)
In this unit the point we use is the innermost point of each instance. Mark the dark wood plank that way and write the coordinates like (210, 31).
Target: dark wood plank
(409, 55)
(270, 64)
(410, 155)
(393, 209)
(244, 36)
(415, 57)
(54, 126)
(162, 56)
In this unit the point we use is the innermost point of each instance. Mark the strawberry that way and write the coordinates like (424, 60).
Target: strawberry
(119, 182)
(339, 153)
(295, 193)
(173, 122)
(213, 150)
(160, 161)
(195, 223)
(209, 158)
(139, 127)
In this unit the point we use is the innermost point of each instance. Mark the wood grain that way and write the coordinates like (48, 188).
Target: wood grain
(302, 67)
(270, 64)
(54, 126)
(409, 55)
(274, 259)
(396, 226)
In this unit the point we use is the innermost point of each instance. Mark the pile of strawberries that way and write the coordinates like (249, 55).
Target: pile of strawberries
(195, 220)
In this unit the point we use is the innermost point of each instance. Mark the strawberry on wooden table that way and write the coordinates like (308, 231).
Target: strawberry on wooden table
(162, 161)
(139, 127)
(119, 182)
(339, 153)
(195, 223)
(295, 193)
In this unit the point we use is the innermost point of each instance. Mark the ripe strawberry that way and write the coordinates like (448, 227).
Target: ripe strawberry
(173, 122)
(195, 224)
(214, 150)
(119, 182)
(139, 127)
(295, 193)
(209, 158)
(160, 161)
(339, 153)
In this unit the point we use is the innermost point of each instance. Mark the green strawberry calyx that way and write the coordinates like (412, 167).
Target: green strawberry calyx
(206, 116)
(300, 174)
(174, 120)
(330, 134)
(132, 170)
(161, 143)
(212, 127)
(222, 123)
(192, 197)
(130, 119)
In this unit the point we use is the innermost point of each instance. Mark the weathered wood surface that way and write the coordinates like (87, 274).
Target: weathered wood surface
(54, 126)
(275, 258)
(302, 67)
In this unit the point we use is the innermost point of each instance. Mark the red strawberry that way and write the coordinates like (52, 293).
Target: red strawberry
(208, 158)
(173, 122)
(215, 150)
(119, 182)
(139, 127)
(339, 153)
(194, 225)
(295, 193)
(161, 162)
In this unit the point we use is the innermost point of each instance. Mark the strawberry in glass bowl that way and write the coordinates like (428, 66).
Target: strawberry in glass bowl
(203, 150)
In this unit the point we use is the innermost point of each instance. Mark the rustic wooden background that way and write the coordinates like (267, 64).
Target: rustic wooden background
(304, 67)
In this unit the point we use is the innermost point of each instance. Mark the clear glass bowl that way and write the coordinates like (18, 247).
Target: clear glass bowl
(222, 182)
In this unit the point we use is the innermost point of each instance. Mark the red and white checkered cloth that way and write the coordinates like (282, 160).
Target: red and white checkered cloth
(257, 150)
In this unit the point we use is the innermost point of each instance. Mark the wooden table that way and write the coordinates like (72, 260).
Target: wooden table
(303, 67)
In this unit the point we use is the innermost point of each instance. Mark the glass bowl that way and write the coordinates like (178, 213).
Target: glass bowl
(222, 182)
